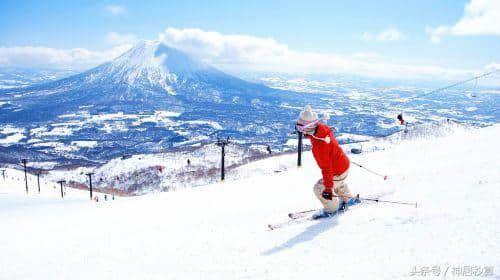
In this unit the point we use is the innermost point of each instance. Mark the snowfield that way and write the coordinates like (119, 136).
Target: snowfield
(220, 231)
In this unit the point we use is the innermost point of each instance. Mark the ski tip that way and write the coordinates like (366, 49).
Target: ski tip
(385, 177)
(271, 227)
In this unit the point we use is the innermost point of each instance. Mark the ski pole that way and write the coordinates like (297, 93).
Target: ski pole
(292, 215)
(389, 201)
(301, 212)
(373, 172)
(377, 200)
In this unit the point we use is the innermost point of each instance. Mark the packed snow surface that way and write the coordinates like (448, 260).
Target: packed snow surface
(220, 231)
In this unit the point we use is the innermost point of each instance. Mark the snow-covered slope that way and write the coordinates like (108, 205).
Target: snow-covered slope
(168, 171)
(220, 232)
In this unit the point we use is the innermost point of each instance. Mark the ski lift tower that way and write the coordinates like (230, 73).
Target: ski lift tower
(24, 161)
(299, 149)
(62, 191)
(222, 144)
(90, 183)
(38, 179)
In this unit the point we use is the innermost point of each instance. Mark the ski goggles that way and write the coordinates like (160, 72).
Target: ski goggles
(304, 127)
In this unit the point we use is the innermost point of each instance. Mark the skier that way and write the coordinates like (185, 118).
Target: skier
(331, 159)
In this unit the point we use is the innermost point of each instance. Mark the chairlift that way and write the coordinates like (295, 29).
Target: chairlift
(400, 118)
(126, 156)
(357, 150)
(402, 122)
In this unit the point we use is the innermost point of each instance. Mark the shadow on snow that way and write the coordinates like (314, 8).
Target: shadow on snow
(308, 234)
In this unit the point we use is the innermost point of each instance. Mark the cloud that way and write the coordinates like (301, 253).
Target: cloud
(115, 10)
(233, 53)
(115, 39)
(236, 53)
(481, 17)
(435, 34)
(493, 67)
(42, 57)
(388, 35)
(365, 55)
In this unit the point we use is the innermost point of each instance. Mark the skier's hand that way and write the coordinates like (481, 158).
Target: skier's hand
(327, 195)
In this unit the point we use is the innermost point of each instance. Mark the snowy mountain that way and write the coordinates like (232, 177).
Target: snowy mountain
(220, 231)
(144, 78)
(151, 98)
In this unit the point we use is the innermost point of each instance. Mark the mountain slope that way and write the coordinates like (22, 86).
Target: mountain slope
(23, 77)
(219, 231)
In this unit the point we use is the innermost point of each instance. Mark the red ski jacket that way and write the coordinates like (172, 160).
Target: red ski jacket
(330, 157)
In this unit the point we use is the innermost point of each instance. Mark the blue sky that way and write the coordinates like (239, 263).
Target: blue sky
(385, 32)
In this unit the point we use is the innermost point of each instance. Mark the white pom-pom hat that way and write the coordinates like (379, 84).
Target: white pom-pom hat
(307, 121)
(307, 116)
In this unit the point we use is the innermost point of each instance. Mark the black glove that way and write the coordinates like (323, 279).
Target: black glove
(327, 195)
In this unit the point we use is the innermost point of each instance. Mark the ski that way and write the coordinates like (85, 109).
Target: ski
(298, 215)
(304, 216)
(301, 214)
(290, 222)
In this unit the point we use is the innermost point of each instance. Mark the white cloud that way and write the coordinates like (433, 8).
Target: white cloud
(115, 10)
(481, 17)
(493, 66)
(42, 57)
(436, 33)
(388, 35)
(115, 39)
(365, 55)
(236, 53)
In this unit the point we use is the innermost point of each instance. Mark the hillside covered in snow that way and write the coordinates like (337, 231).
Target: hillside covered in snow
(219, 231)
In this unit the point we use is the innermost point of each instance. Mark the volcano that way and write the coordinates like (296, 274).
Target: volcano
(151, 97)
(150, 76)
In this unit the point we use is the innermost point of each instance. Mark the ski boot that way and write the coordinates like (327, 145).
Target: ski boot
(353, 200)
(321, 214)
